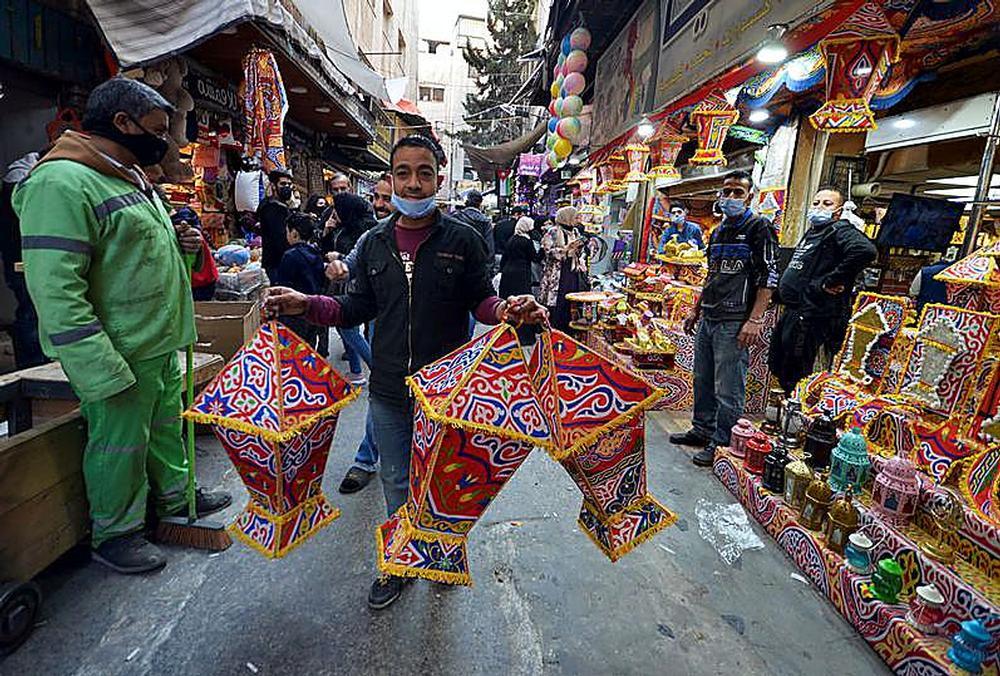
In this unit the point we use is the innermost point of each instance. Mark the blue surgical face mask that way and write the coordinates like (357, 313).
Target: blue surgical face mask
(412, 208)
(677, 219)
(732, 207)
(819, 217)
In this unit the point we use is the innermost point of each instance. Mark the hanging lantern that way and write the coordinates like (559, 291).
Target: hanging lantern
(857, 56)
(274, 408)
(586, 179)
(817, 501)
(896, 491)
(619, 169)
(607, 177)
(738, 437)
(712, 118)
(820, 440)
(850, 465)
(664, 151)
(772, 411)
(797, 478)
(757, 448)
(636, 153)
(842, 520)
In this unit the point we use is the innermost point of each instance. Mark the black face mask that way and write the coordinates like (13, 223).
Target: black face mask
(147, 147)
(285, 193)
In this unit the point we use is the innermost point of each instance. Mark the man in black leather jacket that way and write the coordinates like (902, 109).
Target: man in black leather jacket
(816, 288)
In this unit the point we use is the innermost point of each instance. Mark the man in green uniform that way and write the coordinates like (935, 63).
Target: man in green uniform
(104, 266)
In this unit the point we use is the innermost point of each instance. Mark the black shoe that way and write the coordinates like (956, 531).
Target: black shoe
(689, 438)
(355, 479)
(129, 554)
(343, 357)
(705, 457)
(206, 503)
(385, 590)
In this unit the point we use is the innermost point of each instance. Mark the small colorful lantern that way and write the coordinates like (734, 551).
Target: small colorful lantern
(850, 465)
(857, 55)
(636, 154)
(713, 117)
(896, 491)
(595, 409)
(969, 646)
(740, 434)
(757, 448)
(274, 408)
(664, 150)
(773, 477)
(817, 501)
(887, 581)
(821, 437)
(926, 609)
(858, 553)
(842, 520)
(772, 411)
(477, 418)
(797, 478)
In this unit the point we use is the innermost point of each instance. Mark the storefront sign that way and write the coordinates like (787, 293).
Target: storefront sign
(211, 93)
(626, 76)
(530, 164)
(703, 38)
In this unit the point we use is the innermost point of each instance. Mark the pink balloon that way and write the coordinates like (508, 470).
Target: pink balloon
(580, 39)
(569, 129)
(571, 106)
(576, 62)
(574, 83)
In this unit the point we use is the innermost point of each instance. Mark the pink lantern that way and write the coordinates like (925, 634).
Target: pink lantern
(896, 491)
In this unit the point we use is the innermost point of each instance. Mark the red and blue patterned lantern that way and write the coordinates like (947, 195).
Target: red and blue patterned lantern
(596, 412)
(477, 418)
(274, 407)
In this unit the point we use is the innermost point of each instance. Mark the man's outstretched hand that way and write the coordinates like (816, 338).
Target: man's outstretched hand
(284, 301)
(523, 310)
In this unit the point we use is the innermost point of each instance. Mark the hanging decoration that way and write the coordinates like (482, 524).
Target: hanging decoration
(477, 419)
(595, 410)
(265, 105)
(566, 105)
(619, 170)
(636, 153)
(274, 408)
(665, 146)
(857, 58)
(713, 117)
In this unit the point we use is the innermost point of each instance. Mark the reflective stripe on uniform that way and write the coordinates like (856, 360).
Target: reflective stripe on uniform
(56, 243)
(75, 335)
(113, 204)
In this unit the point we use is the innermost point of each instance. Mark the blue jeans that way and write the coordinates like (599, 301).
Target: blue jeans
(357, 348)
(367, 456)
(393, 426)
(720, 372)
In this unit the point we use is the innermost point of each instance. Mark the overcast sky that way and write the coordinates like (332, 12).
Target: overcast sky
(437, 17)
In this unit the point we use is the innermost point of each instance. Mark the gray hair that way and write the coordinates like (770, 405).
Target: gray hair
(121, 95)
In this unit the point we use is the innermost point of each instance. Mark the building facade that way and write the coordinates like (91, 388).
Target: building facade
(386, 33)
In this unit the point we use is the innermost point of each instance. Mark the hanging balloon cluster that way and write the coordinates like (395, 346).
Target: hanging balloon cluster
(567, 102)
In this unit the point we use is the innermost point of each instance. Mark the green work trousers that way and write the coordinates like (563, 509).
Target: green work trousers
(135, 447)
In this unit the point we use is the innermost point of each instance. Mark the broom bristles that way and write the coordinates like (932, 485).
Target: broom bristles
(199, 534)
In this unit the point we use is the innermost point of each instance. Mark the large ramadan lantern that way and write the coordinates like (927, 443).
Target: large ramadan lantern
(857, 56)
(619, 170)
(595, 409)
(636, 153)
(973, 282)
(664, 149)
(476, 419)
(274, 408)
(712, 118)
(265, 104)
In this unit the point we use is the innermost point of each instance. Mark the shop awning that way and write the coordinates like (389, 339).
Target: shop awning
(488, 160)
(142, 31)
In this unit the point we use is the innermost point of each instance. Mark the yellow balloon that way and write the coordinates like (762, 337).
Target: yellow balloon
(554, 89)
(562, 148)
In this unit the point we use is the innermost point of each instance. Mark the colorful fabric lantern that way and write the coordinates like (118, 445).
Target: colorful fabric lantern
(476, 419)
(636, 153)
(607, 177)
(619, 170)
(850, 465)
(595, 409)
(857, 57)
(974, 281)
(664, 149)
(274, 409)
(712, 118)
(265, 105)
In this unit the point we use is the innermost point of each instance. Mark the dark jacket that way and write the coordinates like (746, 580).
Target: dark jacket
(742, 257)
(483, 225)
(502, 233)
(830, 255)
(272, 214)
(356, 217)
(515, 267)
(931, 290)
(417, 321)
(302, 269)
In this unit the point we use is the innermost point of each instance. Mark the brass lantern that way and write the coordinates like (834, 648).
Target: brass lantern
(841, 522)
(817, 501)
(797, 478)
(772, 413)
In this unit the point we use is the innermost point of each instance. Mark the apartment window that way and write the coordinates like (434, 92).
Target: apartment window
(431, 93)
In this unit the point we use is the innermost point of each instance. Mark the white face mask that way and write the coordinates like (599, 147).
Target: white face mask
(817, 216)
(412, 208)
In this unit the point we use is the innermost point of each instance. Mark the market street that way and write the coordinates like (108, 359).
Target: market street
(544, 599)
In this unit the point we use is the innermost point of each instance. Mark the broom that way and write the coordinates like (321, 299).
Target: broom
(191, 531)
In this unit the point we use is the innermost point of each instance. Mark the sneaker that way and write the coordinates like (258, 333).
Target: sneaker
(355, 479)
(206, 503)
(689, 438)
(705, 457)
(357, 379)
(129, 554)
(385, 590)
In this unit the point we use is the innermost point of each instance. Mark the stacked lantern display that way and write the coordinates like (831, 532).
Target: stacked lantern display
(595, 410)
(566, 105)
(274, 407)
(477, 418)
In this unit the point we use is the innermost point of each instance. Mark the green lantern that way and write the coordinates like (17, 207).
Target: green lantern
(849, 465)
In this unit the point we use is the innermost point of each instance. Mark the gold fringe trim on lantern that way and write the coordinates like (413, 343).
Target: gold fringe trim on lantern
(400, 570)
(279, 522)
(668, 520)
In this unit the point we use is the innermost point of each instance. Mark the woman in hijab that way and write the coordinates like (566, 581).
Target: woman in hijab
(515, 268)
(564, 270)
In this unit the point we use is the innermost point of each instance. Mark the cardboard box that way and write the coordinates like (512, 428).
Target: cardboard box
(224, 326)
